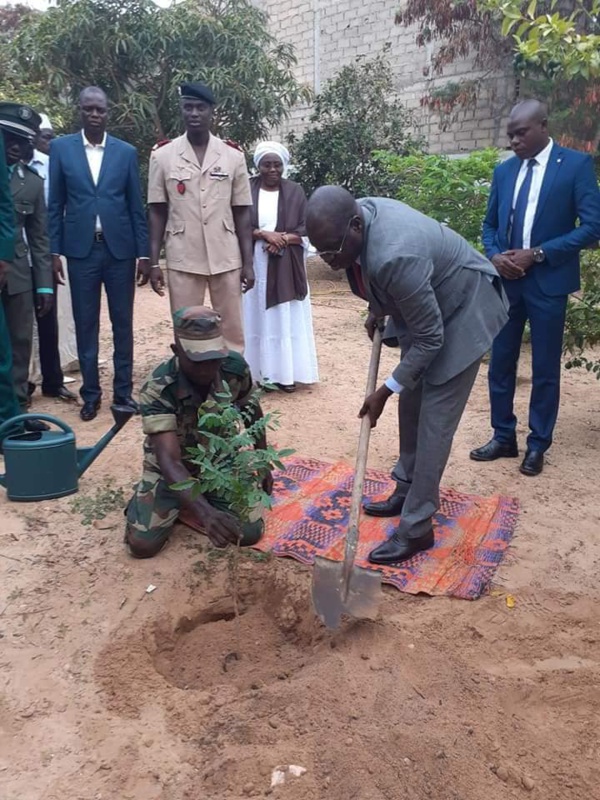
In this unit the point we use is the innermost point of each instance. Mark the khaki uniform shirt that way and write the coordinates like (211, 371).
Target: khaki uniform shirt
(200, 234)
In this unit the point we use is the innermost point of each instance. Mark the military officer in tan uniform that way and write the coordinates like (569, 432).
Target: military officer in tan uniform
(199, 203)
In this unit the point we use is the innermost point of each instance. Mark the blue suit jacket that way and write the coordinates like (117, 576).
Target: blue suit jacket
(569, 193)
(74, 201)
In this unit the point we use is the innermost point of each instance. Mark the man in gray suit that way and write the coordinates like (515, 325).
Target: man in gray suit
(445, 306)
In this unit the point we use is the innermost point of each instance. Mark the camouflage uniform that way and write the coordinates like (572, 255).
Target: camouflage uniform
(168, 403)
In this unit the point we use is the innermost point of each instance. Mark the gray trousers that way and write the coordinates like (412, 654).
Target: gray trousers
(428, 418)
(18, 309)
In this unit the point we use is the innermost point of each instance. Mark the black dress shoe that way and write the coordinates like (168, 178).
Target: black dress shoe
(386, 508)
(288, 388)
(63, 394)
(533, 463)
(89, 410)
(399, 548)
(129, 402)
(495, 449)
(30, 388)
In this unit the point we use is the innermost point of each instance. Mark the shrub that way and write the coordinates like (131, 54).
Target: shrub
(582, 330)
(354, 115)
(452, 190)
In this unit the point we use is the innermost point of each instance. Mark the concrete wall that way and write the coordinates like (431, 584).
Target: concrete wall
(328, 34)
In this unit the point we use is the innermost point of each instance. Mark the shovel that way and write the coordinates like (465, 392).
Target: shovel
(340, 587)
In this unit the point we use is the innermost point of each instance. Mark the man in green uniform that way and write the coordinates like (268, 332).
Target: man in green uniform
(8, 401)
(169, 404)
(19, 125)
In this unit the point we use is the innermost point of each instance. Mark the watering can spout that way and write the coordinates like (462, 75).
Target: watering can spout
(87, 455)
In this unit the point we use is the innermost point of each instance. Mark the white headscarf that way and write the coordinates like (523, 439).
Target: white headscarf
(45, 123)
(263, 148)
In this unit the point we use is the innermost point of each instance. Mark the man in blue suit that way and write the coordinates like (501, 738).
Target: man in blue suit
(98, 222)
(530, 234)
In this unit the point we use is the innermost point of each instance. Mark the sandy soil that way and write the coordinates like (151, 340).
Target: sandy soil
(107, 691)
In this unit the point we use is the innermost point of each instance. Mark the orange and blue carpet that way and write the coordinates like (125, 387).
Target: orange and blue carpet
(310, 518)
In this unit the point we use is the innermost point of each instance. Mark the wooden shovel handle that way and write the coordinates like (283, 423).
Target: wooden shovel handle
(361, 461)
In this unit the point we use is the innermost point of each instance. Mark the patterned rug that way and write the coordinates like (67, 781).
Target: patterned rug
(310, 518)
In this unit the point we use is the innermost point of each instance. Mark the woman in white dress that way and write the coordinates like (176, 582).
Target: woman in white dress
(278, 329)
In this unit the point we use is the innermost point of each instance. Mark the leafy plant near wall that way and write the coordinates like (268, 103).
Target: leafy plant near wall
(582, 330)
(354, 115)
(553, 46)
(452, 190)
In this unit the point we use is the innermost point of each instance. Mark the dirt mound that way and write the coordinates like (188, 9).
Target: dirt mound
(267, 641)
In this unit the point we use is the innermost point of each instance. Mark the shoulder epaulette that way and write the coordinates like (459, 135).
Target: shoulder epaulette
(233, 144)
(160, 144)
(33, 170)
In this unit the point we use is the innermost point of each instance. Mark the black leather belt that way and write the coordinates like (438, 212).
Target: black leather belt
(98, 236)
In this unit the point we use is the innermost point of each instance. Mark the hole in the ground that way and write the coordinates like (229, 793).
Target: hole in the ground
(276, 627)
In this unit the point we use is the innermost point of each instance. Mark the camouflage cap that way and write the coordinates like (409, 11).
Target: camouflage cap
(198, 331)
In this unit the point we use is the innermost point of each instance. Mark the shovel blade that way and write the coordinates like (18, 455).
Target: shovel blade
(362, 600)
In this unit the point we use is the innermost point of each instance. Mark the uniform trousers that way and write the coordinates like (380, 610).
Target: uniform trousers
(9, 406)
(428, 417)
(189, 289)
(52, 374)
(155, 508)
(18, 309)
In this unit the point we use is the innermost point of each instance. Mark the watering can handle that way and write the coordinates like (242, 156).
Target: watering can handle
(10, 423)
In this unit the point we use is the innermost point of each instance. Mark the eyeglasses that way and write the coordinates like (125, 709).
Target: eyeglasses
(329, 255)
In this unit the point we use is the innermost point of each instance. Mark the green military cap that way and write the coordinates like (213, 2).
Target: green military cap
(199, 332)
(19, 119)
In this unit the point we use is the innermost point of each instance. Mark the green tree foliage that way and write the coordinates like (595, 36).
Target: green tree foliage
(553, 46)
(354, 115)
(583, 316)
(139, 53)
(452, 190)
(13, 83)
(561, 39)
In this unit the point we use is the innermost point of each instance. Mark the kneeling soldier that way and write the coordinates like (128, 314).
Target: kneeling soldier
(170, 400)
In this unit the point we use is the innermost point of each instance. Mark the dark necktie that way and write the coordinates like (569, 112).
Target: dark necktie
(355, 279)
(518, 219)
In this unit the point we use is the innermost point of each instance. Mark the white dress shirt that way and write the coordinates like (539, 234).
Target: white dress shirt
(94, 154)
(39, 163)
(539, 170)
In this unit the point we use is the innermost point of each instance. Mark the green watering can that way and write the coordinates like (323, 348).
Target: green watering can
(47, 464)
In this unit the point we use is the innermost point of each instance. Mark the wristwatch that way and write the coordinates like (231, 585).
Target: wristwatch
(538, 255)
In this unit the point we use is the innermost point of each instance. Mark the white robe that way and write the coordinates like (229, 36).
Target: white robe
(280, 344)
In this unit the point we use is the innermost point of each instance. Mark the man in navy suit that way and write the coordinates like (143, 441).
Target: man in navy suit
(530, 234)
(98, 222)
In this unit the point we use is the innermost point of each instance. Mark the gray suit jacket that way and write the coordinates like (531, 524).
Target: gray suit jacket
(445, 299)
